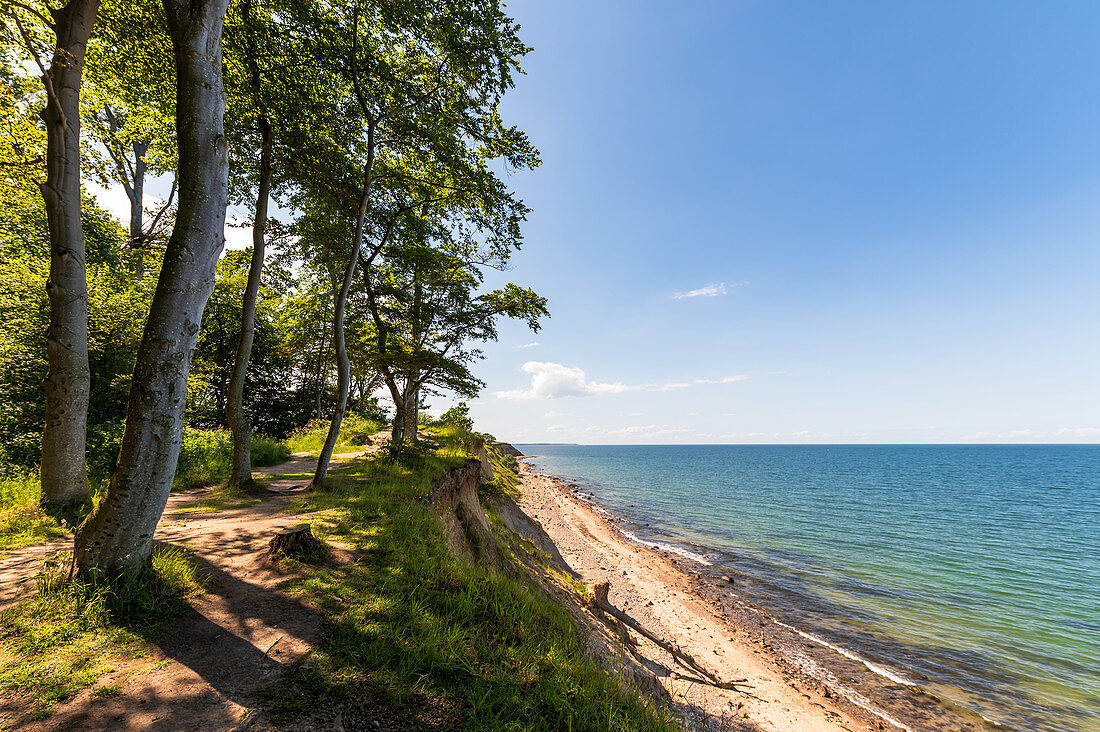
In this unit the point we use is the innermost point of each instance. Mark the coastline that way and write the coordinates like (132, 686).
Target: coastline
(795, 681)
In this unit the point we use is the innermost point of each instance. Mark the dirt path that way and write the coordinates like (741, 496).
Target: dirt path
(654, 591)
(202, 674)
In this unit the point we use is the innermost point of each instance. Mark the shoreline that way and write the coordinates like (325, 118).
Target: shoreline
(798, 681)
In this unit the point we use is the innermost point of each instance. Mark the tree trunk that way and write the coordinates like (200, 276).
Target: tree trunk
(400, 420)
(412, 414)
(68, 382)
(117, 537)
(343, 365)
(138, 240)
(320, 373)
(236, 415)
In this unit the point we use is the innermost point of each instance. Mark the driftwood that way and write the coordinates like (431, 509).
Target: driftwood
(297, 541)
(598, 601)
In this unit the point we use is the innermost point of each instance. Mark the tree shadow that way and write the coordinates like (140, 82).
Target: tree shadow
(238, 637)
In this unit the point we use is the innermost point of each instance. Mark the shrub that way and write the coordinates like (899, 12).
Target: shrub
(22, 519)
(266, 451)
(458, 416)
(206, 456)
(311, 438)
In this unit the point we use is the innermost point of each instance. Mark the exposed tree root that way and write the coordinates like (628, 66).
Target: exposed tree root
(598, 601)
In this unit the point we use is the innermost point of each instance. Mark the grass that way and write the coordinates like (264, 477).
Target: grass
(206, 456)
(416, 631)
(69, 634)
(311, 438)
(413, 630)
(22, 520)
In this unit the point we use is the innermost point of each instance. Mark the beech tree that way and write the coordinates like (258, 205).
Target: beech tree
(129, 109)
(68, 381)
(117, 537)
(255, 107)
(425, 83)
(427, 312)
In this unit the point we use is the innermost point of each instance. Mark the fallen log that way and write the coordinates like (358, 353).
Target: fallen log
(598, 600)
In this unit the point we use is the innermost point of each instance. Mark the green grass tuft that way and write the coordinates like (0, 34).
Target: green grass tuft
(64, 638)
(22, 519)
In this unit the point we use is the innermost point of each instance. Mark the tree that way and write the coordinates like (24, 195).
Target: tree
(68, 382)
(425, 85)
(129, 109)
(272, 393)
(427, 314)
(117, 537)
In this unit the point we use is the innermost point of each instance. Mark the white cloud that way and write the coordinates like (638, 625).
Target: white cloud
(723, 380)
(714, 290)
(553, 380)
(532, 344)
(1030, 435)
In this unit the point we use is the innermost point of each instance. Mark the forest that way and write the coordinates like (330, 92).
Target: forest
(366, 143)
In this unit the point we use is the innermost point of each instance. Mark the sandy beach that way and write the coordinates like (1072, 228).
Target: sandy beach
(658, 589)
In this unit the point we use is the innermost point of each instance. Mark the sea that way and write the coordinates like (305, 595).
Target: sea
(907, 577)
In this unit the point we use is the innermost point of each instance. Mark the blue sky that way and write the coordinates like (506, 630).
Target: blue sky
(885, 215)
(779, 221)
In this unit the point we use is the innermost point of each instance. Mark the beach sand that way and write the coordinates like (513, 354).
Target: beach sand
(781, 690)
(651, 588)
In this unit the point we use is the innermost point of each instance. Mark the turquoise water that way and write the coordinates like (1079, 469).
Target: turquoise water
(970, 571)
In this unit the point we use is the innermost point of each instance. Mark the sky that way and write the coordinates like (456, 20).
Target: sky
(785, 222)
(806, 222)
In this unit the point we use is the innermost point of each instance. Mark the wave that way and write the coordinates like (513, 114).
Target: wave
(667, 547)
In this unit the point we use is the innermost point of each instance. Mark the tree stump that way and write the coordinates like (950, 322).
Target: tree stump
(298, 542)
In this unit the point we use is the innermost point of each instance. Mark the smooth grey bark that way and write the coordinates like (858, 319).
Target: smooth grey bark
(68, 381)
(117, 537)
(320, 373)
(406, 411)
(343, 364)
(412, 415)
(235, 414)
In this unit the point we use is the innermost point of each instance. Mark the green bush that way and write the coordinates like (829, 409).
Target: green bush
(206, 456)
(311, 438)
(458, 416)
(266, 452)
(22, 520)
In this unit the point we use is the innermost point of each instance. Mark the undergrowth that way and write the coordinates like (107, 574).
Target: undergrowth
(206, 456)
(23, 519)
(311, 437)
(444, 643)
(69, 634)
